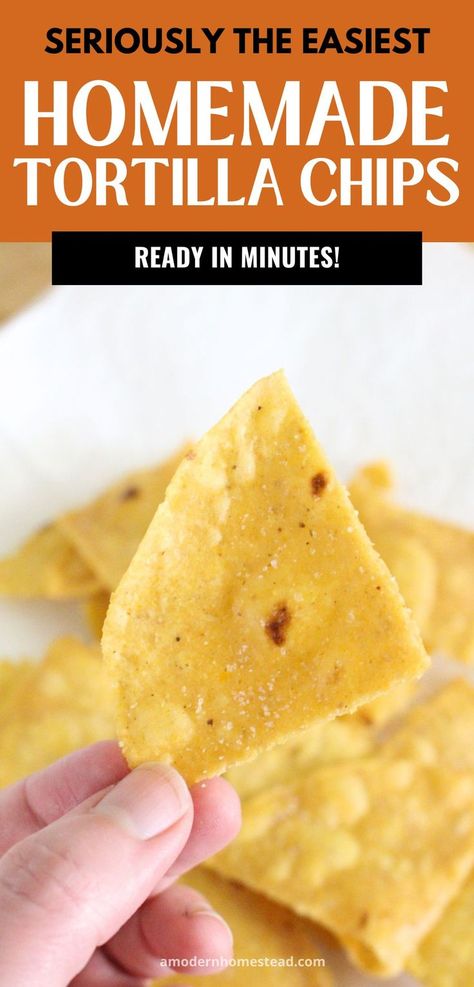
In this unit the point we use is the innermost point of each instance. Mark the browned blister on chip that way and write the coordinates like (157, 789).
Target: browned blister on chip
(432, 561)
(264, 934)
(58, 705)
(255, 604)
(107, 532)
(46, 566)
(373, 849)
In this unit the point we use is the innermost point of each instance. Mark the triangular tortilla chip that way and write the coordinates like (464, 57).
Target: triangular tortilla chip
(65, 702)
(446, 957)
(374, 849)
(107, 532)
(432, 561)
(263, 932)
(46, 566)
(255, 604)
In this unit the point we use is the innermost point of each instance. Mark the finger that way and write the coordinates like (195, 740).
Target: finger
(69, 887)
(217, 820)
(103, 972)
(168, 932)
(47, 795)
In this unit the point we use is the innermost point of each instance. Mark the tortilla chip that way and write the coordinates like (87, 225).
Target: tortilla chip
(414, 569)
(13, 675)
(65, 703)
(381, 710)
(46, 566)
(107, 532)
(323, 743)
(432, 561)
(95, 610)
(440, 730)
(373, 849)
(255, 604)
(446, 957)
(262, 931)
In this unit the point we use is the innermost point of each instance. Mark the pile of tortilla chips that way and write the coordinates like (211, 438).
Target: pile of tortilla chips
(51, 708)
(433, 563)
(254, 629)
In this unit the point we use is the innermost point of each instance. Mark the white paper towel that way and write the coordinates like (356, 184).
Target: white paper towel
(95, 381)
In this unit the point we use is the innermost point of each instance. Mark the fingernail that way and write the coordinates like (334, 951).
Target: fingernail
(202, 910)
(147, 802)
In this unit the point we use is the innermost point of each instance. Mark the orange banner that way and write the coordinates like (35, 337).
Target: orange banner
(256, 117)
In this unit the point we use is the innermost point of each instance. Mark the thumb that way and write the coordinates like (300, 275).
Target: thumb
(68, 888)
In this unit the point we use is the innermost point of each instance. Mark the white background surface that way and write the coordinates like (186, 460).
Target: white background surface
(95, 381)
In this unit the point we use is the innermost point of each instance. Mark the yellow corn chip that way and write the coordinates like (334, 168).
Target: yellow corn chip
(446, 957)
(264, 934)
(13, 675)
(440, 730)
(95, 610)
(373, 849)
(323, 743)
(48, 566)
(64, 703)
(414, 569)
(107, 532)
(255, 604)
(432, 561)
(385, 707)
(8, 671)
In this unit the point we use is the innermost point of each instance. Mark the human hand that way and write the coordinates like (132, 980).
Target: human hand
(88, 856)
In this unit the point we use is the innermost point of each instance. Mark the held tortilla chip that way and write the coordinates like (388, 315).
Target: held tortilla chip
(65, 702)
(255, 604)
(432, 561)
(46, 566)
(263, 933)
(373, 849)
(446, 957)
(107, 532)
